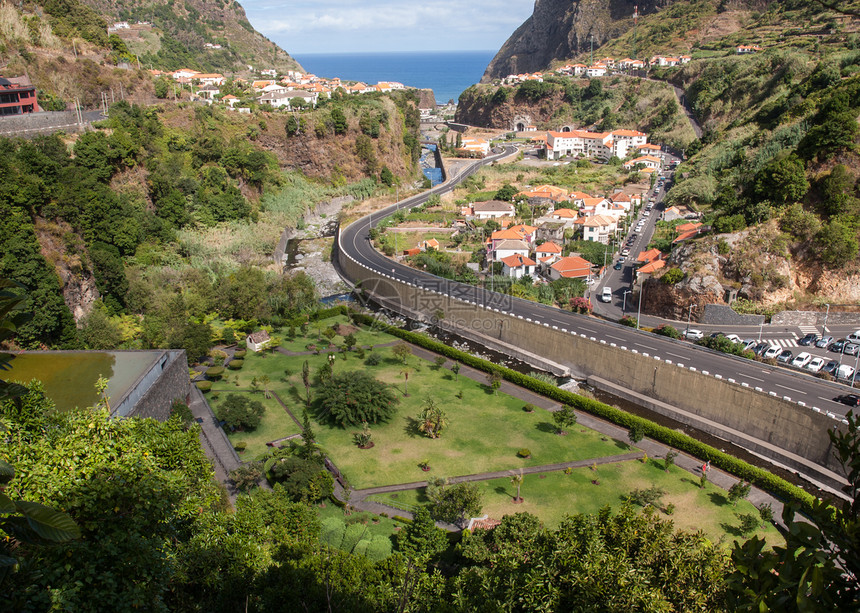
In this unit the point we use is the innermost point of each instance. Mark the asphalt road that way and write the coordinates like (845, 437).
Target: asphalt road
(794, 385)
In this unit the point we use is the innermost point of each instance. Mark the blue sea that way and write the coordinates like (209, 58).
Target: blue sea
(447, 73)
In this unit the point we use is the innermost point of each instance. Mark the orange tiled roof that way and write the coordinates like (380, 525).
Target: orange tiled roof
(652, 266)
(572, 266)
(516, 260)
(648, 256)
(548, 247)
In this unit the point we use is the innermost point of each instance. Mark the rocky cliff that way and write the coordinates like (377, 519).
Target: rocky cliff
(561, 29)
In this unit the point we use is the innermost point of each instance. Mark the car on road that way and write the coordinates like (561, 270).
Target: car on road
(823, 341)
(625, 252)
(606, 296)
(801, 360)
(618, 265)
(693, 335)
(852, 400)
(808, 340)
(830, 367)
(785, 357)
(815, 364)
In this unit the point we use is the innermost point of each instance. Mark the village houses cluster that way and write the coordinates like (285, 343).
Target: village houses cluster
(291, 91)
(608, 65)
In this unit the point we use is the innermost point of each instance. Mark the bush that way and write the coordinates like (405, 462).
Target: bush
(373, 359)
(354, 397)
(204, 386)
(240, 412)
(235, 364)
(524, 453)
(529, 408)
(240, 446)
(239, 354)
(628, 321)
(667, 330)
(215, 372)
(672, 276)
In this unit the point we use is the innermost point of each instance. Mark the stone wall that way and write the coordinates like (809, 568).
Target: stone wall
(815, 318)
(734, 411)
(722, 315)
(21, 125)
(172, 383)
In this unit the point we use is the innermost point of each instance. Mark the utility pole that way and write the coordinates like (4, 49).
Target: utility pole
(592, 49)
(689, 313)
(639, 313)
(824, 328)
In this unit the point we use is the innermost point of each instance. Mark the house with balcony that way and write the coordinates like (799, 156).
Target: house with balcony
(17, 96)
(599, 228)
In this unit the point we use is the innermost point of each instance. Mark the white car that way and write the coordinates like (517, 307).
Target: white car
(815, 364)
(771, 352)
(606, 296)
(845, 372)
(854, 336)
(801, 360)
(693, 334)
(734, 338)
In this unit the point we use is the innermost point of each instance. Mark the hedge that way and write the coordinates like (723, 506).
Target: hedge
(238, 355)
(215, 372)
(204, 386)
(235, 364)
(683, 442)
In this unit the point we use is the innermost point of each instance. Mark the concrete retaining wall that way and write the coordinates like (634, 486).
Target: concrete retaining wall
(722, 315)
(779, 423)
(48, 121)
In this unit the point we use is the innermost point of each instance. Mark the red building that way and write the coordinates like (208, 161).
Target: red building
(17, 96)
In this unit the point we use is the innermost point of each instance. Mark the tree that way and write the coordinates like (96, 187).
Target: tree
(247, 476)
(517, 481)
(421, 540)
(349, 341)
(339, 121)
(669, 459)
(836, 244)
(439, 362)
(455, 368)
(739, 491)
(564, 418)
(402, 351)
(505, 193)
(303, 479)
(432, 419)
(782, 181)
(98, 331)
(264, 380)
(292, 127)
(455, 504)
(387, 177)
(494, 381)
(309, 448)
(635, 434)
(240, 412)
(749, 522)
(647, 497)
(354, 397)
(306, 379)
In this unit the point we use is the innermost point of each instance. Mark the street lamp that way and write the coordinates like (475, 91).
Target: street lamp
(689, 313)
(760, 328)
(639, 314)
(624, 304)
(824, 328)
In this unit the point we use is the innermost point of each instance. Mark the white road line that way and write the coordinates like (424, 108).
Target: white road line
(683, 357)
(617, 338)
(825, 399)
(751, 377)
(791, 389)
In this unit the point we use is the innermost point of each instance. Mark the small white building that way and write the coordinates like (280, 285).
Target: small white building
(599, 228)
(508, 248)
(257, 341)
(492, 209)
(517, 266)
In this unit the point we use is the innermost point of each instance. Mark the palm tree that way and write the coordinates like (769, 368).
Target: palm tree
(517, 480)
(432, 419)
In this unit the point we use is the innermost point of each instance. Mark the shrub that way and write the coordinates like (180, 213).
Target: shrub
(236, 364)
(667, 330)
(672, 276)
(354, 397)
(215, 372)
(373, 359)
(204, 386)
(240, 446)
(529, 408)
(239, 354)
(628, 321)
(524, 453)
(240, 412)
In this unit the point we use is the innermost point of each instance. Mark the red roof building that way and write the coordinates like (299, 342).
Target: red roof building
(17, 96)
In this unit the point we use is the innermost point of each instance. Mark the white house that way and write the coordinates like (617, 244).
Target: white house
(598, 228)
(492, 209)
(624, 141)
(602, 145)
(598, 70)
(212, 78)
(517, 266)
(648, 161)
(285, 98)
(548, 253)
(257, 341)
(184, 73)
(748, 48)
(510, 247)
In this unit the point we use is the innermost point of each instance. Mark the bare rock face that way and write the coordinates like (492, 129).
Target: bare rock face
(559, 29)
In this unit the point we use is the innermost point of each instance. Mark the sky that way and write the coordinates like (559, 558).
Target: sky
(338, 26)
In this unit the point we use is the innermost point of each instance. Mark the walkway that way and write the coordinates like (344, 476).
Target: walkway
(214, 441)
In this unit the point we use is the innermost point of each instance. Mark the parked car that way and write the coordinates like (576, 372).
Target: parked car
(785, 357)
(854, 336)
(852, 400)
(815, 364)
(734, 338)
(837, 346)
(801, 360)
(830, 367)
(823, 341)
(771, 352)
(850, 349)
(760, 348)
(807, 340)
(845, 372)
(693, 334)
(625, 252)
(618, 265)
(750, 344)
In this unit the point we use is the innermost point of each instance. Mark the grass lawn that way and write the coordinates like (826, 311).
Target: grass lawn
(558, 494)
(299, 344)
(484, 434)
(274, 425)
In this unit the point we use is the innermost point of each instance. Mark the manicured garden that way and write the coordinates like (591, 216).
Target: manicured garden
(275, 424)
(552, 495)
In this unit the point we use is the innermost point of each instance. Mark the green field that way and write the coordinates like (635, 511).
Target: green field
(276, 424)
(555, 494)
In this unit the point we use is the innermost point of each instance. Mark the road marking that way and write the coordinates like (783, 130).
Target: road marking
(791, 389)
(825, 399)
(683, 357)
(751, 377)
(645, 346)
(617, 338)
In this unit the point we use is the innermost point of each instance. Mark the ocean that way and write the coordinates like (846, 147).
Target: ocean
(447, 73)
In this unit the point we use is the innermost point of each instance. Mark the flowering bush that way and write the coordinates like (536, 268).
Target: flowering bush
(581, 305)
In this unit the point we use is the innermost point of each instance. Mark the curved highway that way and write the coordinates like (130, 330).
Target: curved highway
(811, 392)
